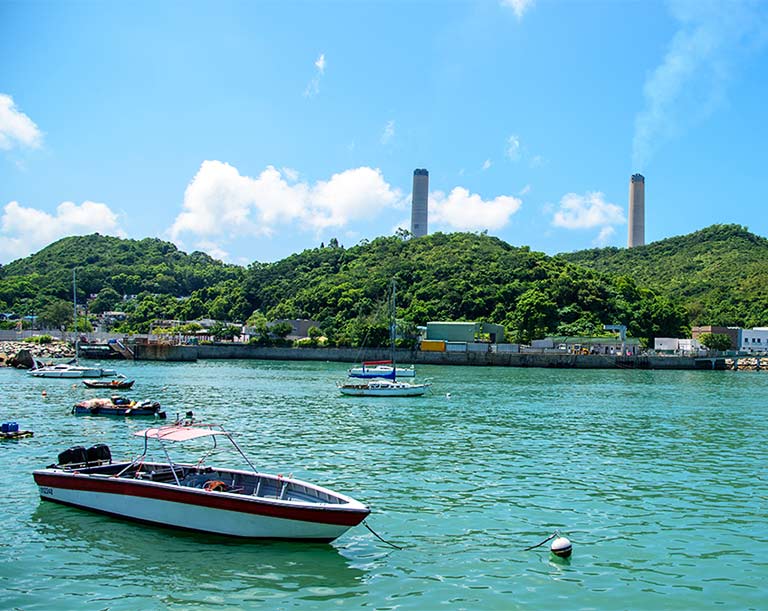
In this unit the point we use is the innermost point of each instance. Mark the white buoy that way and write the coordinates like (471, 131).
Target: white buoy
(561, 547)
(447, 395)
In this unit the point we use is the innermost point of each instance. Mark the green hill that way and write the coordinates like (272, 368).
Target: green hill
(719, 274)
(108, 266)
(459, 276)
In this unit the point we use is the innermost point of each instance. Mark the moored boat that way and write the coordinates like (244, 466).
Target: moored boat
(381, 387)
(379, 369)
(70, 370)
(385, 384)
(117, 406)
(10, 430)
(115, 384)
(243, 503)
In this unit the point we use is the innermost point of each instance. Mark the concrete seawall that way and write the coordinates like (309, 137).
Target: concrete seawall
(165, 352)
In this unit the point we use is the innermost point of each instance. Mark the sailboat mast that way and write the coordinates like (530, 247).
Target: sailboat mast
(392, 327)
(74, 305)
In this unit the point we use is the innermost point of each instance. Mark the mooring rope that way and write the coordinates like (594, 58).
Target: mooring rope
(379, 536)
(552, 536)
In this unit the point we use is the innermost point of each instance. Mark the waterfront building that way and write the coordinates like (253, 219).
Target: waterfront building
(465, 332)
(732, 332)
(419, 211)
(636, 235)
(753, 340)
(682, 347)
(570, 344)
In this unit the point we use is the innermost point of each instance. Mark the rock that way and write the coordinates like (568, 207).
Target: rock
(23, 360)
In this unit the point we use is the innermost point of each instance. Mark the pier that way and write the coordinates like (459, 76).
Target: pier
(170, 352)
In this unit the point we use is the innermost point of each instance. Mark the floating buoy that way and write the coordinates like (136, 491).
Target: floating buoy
(447, 395)
(562, 547)
(45, 394)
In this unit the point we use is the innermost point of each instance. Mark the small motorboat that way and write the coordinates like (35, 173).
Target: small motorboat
(116, 384)
(117, 406)
(243, 503)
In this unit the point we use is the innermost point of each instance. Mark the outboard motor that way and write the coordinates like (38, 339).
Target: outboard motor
(76, 455)
(99, 454)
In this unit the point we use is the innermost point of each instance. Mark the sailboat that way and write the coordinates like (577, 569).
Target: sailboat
(72, 369)
(387, 384)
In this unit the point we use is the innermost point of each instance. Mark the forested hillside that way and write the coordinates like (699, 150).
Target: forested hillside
(460, 276)
(719, 274)
(110, 267)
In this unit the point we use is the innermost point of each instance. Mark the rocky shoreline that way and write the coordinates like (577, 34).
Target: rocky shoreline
(20, 354)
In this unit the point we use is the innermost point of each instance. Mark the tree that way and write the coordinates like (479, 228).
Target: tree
(57, 313)
(105, 300)
(222, 331)
(534, 315)
(715, 341)
(281, 329)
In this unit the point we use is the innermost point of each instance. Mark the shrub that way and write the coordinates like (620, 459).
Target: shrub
(39, 339)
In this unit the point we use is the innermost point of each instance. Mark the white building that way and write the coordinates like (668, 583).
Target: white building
(753, 340)
(672, 345)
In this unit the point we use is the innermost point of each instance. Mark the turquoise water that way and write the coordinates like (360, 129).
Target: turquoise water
(658, 478)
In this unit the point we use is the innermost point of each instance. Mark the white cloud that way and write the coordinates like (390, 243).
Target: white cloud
(313, 87)
(16, 128)
(689, 84)
(487, 164)
(513, 148)
(389, 132)
(525, 190)
(467, 211)
(518, 6)
(290, 174)
(27, 230)
(320, 63)
(220, 202)
(350, 195)
(606, 233)
(588, 212)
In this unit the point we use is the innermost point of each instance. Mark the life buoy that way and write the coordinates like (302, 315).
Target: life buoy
(215, 485)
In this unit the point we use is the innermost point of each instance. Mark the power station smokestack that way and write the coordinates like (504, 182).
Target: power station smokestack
(636, 235)
(419, 203)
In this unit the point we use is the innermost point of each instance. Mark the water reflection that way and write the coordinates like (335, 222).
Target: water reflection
(176, 566)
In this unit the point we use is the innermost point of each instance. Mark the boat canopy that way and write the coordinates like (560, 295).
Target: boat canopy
(179, 433)
(389, 362)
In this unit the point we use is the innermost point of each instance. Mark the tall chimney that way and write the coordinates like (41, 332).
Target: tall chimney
(636, 235)
(419, 203)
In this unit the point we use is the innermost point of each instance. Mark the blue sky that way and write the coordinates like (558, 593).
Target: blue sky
(253, 130)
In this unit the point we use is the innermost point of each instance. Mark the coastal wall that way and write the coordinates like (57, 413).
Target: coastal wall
(165, 352)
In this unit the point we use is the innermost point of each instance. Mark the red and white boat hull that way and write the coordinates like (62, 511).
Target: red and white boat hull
(201, 510)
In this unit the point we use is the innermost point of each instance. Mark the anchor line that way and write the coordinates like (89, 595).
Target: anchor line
(552, 536)
(380, 538)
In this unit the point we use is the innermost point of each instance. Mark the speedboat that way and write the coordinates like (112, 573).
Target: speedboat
(242, 503)
(379, 369)
(381, 387)
(68, 370)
